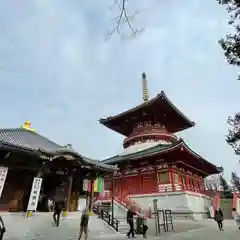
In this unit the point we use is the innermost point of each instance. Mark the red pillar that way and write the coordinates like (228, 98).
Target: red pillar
(172, 179)
(181, 181)
(187, 182)
(235, 200)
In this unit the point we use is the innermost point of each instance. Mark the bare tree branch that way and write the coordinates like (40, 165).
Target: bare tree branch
(124, 19)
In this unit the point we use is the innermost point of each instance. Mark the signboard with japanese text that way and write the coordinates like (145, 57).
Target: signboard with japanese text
(35, 193)
(3, 176)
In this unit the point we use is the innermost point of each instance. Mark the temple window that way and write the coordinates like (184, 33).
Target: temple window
(182, 179)
(191, 183)
(198, 185)
(176, 178)
(163, 177)
(107, 185)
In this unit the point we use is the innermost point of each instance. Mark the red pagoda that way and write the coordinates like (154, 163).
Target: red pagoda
(155, 163)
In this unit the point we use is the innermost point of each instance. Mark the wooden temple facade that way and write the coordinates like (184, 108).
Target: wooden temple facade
(154, 160)
(26, 155)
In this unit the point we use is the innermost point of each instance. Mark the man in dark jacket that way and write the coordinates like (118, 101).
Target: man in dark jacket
(57, 212)
(130, 215)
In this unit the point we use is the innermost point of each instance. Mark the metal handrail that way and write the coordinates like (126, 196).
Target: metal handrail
(108, 218)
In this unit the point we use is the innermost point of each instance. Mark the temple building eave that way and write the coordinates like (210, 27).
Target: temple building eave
(159, 149)
(116, 122)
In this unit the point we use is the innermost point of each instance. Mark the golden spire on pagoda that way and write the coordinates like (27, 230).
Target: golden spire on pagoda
(145, 94)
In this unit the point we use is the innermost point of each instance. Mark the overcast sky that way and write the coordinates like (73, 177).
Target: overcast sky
(58, 71)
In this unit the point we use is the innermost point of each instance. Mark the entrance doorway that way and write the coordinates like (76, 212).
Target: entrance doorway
(54, 187)
(16, 190)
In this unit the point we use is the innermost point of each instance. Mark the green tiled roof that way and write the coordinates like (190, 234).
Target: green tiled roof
(160, 149)
(152, 150)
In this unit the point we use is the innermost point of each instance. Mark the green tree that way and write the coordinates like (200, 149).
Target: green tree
(233, 136)
(231, 47)
(226, 191)
(231, 43)
(235, 181)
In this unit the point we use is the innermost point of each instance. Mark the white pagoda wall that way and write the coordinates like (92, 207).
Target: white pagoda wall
(182, 204)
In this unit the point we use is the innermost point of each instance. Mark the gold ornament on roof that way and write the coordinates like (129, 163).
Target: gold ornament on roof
(27, 126)
(145, 94)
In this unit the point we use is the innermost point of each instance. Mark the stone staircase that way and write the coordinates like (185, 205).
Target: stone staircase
(121, 205)
(123, 226)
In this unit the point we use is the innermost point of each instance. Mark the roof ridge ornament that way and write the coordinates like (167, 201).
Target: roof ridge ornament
(145, 94)
(27, 126)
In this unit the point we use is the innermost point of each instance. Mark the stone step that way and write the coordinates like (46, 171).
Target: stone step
(123, 226)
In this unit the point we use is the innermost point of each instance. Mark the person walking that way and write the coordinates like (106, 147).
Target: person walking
(144, 225)
(50, 204)
(236, 217)
(2, 228)
(130, 214)
(221, 214)
(57, 213)
(219, 219)
(84, 223)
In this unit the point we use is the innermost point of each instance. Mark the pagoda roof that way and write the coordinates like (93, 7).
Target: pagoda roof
(160, 108)
(30, 142)
(161, 149)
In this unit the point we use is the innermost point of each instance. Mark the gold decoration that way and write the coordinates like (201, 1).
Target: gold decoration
(27, 126)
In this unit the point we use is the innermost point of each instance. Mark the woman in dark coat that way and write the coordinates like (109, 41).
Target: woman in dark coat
(130, 221)
(219, 219)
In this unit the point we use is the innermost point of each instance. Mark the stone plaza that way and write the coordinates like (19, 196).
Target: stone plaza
(40, 227)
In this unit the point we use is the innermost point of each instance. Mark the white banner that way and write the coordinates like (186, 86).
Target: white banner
(3, 176)
(85, 185)
(35, 193)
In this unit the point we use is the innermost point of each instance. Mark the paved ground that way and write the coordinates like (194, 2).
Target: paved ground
(40, 227)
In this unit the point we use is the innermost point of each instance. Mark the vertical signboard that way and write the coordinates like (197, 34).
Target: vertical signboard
(35, 193)
(85, 185)
(3, 176)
